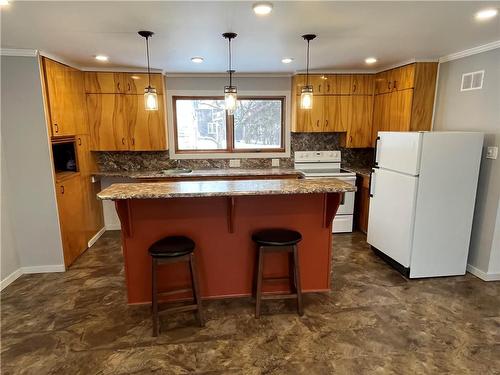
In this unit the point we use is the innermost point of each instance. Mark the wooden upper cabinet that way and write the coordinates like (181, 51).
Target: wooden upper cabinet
(146, 128)
(135, 83)
(121, 83)
(362, 84)
(401, 78)
(360, 124)
(337, 113)
(107, 122)
(65, 99)
(311, 120)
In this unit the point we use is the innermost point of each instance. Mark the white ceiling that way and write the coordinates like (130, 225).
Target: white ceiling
(348, 32)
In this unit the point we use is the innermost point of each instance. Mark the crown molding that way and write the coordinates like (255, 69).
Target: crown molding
(118, 69)
(224, 75)
(470, 51)
(24, 52)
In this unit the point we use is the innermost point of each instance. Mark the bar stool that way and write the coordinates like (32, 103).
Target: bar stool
(174, 249)
(278, 240)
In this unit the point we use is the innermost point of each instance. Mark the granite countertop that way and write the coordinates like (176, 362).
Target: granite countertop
(364, 171)
(223, 188)
(227, 172)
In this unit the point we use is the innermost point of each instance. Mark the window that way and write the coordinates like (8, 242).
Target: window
(201, 125)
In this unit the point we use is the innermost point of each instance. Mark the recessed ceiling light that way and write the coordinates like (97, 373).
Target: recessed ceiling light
(101, 58)
(486, 14)
(262, 8)
(4, 2)
(197, 59)
(370, 60)
(286, 60)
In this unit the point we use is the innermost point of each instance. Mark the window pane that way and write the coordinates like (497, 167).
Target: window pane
(257, 124)
(201, 124)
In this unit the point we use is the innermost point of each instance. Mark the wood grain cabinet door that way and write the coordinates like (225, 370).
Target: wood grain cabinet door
(146, 128)
(360, 124)
(70, 206)
(337, 113)
(60, 98)
(312, 120)
(103, 83)
(401, 106)
(382, 85)
(135, 83)
(107, 122)
(362, 84)
(406, 77)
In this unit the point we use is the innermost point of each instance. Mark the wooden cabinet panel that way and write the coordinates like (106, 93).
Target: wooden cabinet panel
(65, 99)
(362, 84)
(402, 108)
(311, 120)
(337, 113)
(381, 114)
(362, 202)
(360, 124)
(135, 83)
(404, 78)
(146, 128)
(382, 83)
(107, 122)
(103, 83)
(70, 206)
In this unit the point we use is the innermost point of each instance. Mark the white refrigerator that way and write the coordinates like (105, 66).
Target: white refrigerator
(422, 195)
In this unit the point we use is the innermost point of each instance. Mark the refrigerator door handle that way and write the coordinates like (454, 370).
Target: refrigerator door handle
(375, 162)
(370, 184)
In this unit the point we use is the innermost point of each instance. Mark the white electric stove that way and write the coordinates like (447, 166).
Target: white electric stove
(326, 164)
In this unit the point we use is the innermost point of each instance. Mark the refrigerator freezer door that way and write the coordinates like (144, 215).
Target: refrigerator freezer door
(391, 217)
(399, 151)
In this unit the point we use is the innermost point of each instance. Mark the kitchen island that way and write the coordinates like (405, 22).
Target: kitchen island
(220, 216)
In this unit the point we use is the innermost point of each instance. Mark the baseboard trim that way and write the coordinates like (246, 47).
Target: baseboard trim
(113, 226)
(44, 269)
(10, 279)
(486, 276)
(94, 239)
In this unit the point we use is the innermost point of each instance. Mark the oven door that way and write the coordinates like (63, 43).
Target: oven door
(347, 206)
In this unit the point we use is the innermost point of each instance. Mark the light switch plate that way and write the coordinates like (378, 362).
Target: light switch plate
(492, 152)
(275, 162)
(234, 163)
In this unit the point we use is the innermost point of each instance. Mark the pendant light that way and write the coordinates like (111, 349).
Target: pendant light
(306, 94)
(230, 91)
(150, 96)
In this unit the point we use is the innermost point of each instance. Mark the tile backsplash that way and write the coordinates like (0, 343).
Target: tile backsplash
(157, 160)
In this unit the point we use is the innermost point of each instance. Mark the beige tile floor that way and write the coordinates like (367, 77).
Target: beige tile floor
(374, 321)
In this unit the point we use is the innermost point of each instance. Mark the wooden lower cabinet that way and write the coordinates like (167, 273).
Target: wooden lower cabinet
(362, 200)
(71, 209)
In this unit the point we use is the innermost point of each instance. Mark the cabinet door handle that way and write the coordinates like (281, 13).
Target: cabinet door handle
(118, 86)
(56, 127)
(394, 85)
(328, 88)
(123, 141)
(326, 123)
(62, 189)
(128, 86)
(317, 123)
(133, 141)
(389, 85)
(319, 88)
(79, 141)
(354, 88)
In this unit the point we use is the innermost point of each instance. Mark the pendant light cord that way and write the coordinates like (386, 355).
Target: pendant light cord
(230, 65)
(147, 53)
(307, 65)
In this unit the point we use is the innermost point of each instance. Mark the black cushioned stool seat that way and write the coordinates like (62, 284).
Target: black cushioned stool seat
(174, 249)
(278, 240)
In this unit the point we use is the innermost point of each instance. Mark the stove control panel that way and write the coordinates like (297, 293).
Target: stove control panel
(317, 156)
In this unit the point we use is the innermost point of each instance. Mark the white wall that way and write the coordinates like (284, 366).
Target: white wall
(28, 195)
(477, 110)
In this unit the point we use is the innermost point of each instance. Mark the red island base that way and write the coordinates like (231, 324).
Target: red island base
(222, 228)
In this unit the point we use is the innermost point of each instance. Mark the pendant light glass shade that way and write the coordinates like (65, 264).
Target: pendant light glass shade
(306, 97)
(230, 92)
(150, 99)
(150, 96)
(230, 97)
(306, 94)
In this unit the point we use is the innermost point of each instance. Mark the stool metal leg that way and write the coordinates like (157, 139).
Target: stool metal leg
(258, 294)
(196, 289)
(154, 297)
(300, 309)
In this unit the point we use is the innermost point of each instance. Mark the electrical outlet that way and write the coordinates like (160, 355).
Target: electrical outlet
(275, 162)
(492, 152)
(234, 163)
